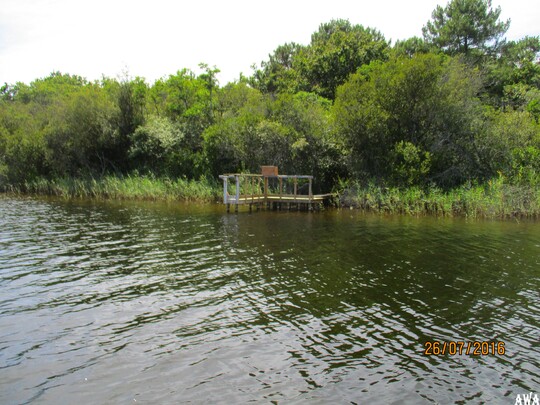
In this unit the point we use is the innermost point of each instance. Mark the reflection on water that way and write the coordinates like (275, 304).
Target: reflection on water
(116, 302)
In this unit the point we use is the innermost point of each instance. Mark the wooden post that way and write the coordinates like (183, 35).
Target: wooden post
(295, 186)
(310, 195)
(225, 196)
(237, 193)
(280, 187)
(237, 188)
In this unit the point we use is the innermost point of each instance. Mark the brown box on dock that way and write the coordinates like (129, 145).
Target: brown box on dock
(269, 171)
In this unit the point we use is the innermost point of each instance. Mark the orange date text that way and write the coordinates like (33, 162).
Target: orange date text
(474, 348)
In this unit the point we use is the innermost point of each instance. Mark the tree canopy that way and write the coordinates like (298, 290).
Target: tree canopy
(336, 50)
(465, 26)
(459, 105)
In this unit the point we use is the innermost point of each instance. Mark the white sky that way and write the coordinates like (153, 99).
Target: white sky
(156, 38)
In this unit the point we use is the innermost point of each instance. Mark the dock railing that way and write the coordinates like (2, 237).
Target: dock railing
(247, 188)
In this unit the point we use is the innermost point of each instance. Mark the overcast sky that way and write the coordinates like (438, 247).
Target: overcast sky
(155, 38)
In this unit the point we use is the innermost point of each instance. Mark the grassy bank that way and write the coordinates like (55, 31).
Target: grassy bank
(133, 187)
(495, 199)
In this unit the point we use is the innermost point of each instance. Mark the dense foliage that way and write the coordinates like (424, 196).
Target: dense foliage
(459, 105)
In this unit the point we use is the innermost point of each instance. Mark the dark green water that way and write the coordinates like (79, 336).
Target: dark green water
(155, 303)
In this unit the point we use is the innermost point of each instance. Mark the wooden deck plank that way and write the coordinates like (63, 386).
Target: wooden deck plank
(276, 198)
(267, 197)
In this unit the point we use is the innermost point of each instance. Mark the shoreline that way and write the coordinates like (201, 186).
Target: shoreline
(492, 200)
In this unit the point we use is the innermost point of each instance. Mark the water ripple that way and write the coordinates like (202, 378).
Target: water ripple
(116, 302)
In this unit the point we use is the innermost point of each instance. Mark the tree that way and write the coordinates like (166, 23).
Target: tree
(464, 26)
(131, 99)
(235, 98)
(187, 101)
(45, 91)
(517, 65)
(154, 146)
(129, 95)
(278, 75)
(179, 96)
(336, 51)
(407, 112)
(507, 142)
(231, 143)
(83, 136)
(22, 149)
(411, 46)
(315, 150)
(290, 131)
(209, 77)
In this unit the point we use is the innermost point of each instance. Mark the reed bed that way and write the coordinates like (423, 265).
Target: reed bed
(132, 187)
(495, 199)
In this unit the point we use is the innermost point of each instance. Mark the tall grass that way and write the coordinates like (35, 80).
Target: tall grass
(495, 199)
(133, 187)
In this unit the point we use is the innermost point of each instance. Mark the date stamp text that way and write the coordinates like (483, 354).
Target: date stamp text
(473, 348)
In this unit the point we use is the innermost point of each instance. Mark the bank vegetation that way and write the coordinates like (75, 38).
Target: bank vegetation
(445, 124)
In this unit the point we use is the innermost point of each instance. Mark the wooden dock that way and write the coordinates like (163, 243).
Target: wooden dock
(270, 190)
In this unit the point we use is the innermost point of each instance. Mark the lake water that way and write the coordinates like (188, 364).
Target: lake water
(110, 302)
